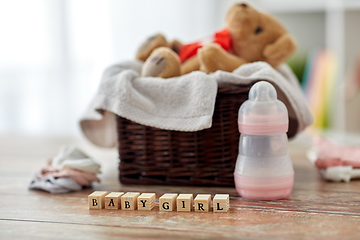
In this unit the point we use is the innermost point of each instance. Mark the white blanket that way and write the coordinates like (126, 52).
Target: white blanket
(184, 103)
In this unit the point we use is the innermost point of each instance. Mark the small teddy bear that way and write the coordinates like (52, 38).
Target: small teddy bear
(249, 36)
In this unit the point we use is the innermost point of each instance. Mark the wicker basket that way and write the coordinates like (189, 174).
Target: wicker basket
(154, 156)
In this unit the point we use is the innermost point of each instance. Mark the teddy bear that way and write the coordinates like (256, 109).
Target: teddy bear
(249, 36)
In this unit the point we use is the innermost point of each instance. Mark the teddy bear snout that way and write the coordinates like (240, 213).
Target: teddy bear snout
(243, 5)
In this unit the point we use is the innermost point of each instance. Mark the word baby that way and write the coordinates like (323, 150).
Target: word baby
(167, 202)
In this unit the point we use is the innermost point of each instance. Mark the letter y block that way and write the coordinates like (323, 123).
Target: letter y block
(146, 201)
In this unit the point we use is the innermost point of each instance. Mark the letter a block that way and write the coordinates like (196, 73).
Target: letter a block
(221, 203)
(129, 201)
(202, 202)
(97, 200)
(146, 201)
(184, 202)
(112, 200)
(167, 202)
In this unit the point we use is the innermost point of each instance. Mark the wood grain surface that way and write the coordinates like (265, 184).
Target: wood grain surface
(315, 210)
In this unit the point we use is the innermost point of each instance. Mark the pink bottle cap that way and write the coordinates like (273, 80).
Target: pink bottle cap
(263, 113)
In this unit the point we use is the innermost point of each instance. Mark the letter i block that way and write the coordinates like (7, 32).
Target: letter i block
(112, 200)
(221, 203)
(202, 202)
(97, 200)
(146, 201)
(129, 201)
(184, 202)
(167, 202)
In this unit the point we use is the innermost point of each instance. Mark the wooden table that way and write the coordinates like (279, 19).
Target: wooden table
(315, 210)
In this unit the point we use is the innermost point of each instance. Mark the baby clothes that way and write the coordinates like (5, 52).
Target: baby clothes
(70, 170)
(71, 157)
(336, 162)
(54, 185)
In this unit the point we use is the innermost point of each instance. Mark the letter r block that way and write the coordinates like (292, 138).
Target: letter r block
(167, 202)
(202, 203)
(97, 200)
(112, 200)
(129, 200)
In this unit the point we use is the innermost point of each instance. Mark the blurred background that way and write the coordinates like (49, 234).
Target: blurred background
(52, 53)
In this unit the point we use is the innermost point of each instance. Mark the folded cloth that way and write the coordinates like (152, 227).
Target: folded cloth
(82, 178)
(184, 103)
(71, 157)
(70, 170)
(336, 162)
(54, 185)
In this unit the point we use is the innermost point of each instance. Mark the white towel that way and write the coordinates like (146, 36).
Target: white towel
(184, 103)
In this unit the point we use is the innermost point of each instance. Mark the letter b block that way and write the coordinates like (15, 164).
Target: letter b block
(167, 202)
(202, 202)
(129, 200)
(97, 200)
(184, 202)
(112, 200)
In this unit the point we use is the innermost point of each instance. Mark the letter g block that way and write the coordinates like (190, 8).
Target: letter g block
(167, 202)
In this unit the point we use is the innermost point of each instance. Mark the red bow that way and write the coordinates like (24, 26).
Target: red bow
(221, 37)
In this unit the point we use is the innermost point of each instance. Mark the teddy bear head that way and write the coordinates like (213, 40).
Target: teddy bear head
(257, 36)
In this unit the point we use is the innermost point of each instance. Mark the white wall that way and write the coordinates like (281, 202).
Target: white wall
(134, 21)
(52, 53)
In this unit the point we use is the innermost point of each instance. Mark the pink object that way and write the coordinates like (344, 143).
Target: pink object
(263, 169)
(269, 188)
(261, 130)
(331, 154)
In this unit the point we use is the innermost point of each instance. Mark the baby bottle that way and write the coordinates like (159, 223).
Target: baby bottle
(263, 168)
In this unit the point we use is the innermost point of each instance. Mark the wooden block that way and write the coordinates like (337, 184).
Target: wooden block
(146, 201)
(167, 202)
(221, 203)
(129, 201)
(202, 202)
(97, 200)
(112, 200)
(184, 202)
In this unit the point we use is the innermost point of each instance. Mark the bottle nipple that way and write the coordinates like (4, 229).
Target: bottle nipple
(262, 91)
(263, 113)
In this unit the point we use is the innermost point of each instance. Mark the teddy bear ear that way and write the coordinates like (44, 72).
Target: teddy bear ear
(280, 50)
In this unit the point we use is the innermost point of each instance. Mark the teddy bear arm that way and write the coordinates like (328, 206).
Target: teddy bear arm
(280, 50)
(230, 62)
(213, 57)
(192, 64)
